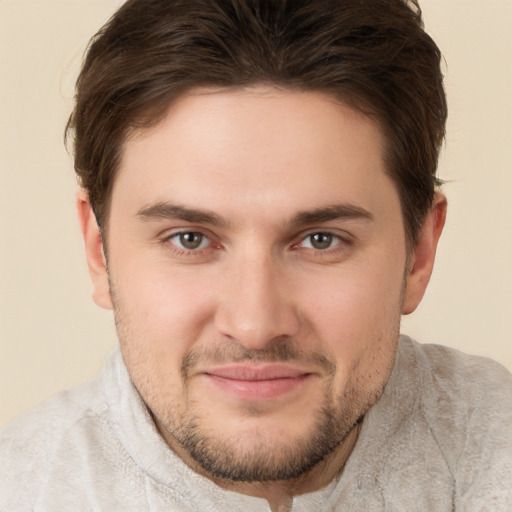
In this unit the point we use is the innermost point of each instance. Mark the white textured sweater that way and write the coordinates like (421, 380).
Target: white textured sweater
(438, 440)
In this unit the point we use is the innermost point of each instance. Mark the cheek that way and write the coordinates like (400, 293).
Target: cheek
(359, 328)
(163, 309)
(159, 318)
(357, 312)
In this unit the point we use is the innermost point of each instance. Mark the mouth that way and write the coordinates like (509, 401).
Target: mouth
(256, 383)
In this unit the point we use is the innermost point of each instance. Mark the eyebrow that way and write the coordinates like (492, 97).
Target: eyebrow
(163, 210)
(332, 212)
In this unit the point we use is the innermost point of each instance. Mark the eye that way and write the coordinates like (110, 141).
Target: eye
(189, 240)
(320, 241)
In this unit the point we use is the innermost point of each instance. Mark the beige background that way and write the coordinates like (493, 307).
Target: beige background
(51, 334)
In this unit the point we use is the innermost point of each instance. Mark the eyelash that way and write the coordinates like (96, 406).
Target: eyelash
(342, 242)
(183, 251)
(337, 240)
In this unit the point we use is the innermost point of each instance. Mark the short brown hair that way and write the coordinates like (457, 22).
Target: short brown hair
(373, 55)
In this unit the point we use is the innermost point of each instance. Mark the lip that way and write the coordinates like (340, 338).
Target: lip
(255, 383)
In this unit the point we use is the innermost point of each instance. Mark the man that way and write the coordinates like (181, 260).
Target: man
(259, 207)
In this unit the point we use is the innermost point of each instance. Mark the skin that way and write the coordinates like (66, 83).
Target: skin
(268, 285)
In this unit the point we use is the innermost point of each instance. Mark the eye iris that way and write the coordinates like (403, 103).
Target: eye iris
(321, 240)
(191, 240)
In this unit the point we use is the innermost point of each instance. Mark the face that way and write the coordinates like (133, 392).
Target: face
(257, 270)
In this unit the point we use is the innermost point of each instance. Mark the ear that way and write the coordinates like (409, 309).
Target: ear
(421, 259)
(94, 251)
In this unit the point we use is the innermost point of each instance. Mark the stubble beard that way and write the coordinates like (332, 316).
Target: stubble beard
(261, 461)
(264, 460)
(253, 456)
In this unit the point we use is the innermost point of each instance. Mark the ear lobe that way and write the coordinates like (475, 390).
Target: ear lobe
(94, 252)
(421, 260)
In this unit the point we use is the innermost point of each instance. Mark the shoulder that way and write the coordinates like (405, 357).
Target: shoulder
(467, 403)
(56, 415)
(463, 379)
(35, 442)
(456, 391)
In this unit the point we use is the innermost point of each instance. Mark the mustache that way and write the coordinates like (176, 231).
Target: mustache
(279, 350)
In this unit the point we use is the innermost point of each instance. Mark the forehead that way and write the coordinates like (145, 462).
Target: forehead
(229, 149)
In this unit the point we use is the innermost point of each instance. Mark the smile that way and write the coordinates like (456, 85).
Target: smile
(247, 382)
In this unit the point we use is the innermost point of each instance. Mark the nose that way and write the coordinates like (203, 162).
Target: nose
(256, 304)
